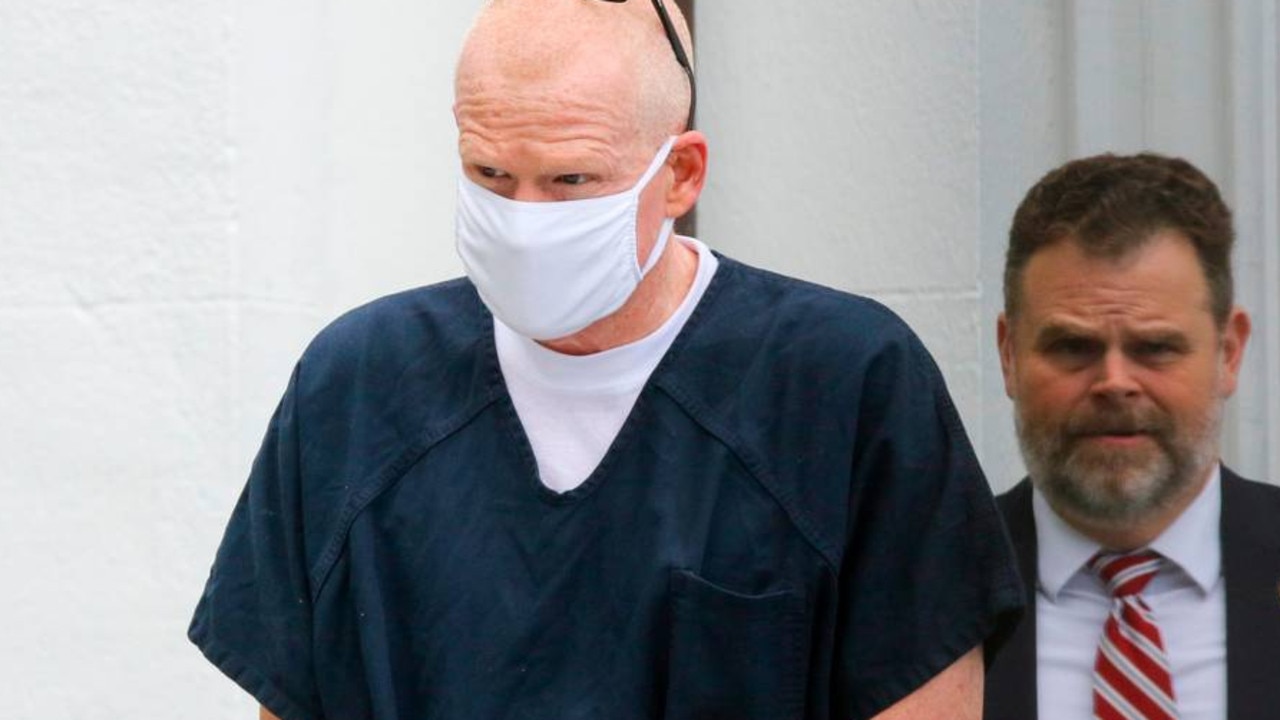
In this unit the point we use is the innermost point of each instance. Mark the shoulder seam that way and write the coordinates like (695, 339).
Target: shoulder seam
(379, 483)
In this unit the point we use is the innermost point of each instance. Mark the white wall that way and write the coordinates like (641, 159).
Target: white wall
(342, 138)
(116, 190)
(844, 149)
(187, 193)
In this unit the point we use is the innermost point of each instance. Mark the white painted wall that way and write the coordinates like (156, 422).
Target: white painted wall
(1254, 185)
(187, 193)
(116, 195)
(844, 149)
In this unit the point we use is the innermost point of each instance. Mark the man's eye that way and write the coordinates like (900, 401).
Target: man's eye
(1155, 350)
(490, 172)
(571, 179)
(1074, 347)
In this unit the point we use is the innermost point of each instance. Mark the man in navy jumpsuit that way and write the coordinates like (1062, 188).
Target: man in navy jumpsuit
(610, 474)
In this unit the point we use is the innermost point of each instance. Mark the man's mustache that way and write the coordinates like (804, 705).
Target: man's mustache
(1125, 421)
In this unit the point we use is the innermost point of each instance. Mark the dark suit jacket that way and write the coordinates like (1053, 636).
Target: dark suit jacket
(1250, 529)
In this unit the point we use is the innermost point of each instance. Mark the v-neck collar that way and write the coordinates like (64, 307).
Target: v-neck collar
(501, 395)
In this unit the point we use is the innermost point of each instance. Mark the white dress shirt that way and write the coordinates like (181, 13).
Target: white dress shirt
(1187, 598)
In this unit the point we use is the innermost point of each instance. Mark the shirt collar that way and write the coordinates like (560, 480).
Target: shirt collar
(1192, 541)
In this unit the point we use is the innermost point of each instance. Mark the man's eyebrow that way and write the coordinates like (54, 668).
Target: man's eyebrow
(596, 163)
(1167, 336)
(1054, 331)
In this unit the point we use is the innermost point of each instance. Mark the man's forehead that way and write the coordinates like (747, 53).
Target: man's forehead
(584, 78)
(1158, 283)
(568, 152)
(548, 62)
(1163, 262)
(555, 118)
(545, 84)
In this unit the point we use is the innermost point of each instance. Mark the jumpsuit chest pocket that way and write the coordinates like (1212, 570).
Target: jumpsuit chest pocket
(734, 656)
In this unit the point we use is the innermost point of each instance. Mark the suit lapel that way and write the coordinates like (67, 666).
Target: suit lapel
(1250, 527)
(1251, 570)
(1011, 677)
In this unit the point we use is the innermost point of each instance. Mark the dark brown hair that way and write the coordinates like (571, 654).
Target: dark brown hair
(1112, 205)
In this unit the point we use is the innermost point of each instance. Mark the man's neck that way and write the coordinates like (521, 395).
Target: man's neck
(654, 301)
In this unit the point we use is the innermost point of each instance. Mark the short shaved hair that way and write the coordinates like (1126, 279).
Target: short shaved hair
(537, 31)
(1112, 205)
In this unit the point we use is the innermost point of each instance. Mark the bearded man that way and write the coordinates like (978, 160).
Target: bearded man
(1152, 567)
(610, 474)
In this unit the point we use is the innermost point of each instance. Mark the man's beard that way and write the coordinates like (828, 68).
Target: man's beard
(1119, 484)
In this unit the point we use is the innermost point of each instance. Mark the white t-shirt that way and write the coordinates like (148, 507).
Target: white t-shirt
(572, 406)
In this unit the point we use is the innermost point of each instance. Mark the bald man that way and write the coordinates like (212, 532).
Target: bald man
(610, 473)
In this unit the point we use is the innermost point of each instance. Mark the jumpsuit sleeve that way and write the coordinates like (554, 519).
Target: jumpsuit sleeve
(254, 620)
(927, 572)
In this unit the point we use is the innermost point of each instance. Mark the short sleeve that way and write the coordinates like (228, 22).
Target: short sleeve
(254, 619)
(927, 572)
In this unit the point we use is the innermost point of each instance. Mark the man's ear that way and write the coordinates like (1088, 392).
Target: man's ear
(1004, 343)
(688, 161)
(1235, 335)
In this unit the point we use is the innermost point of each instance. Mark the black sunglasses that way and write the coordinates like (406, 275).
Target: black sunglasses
(681, 57)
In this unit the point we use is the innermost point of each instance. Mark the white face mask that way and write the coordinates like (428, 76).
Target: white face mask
(550, 269)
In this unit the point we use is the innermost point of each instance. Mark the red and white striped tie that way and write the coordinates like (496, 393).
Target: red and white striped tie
(1131, 679)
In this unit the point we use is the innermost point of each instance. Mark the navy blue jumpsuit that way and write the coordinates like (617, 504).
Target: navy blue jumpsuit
(790, 524)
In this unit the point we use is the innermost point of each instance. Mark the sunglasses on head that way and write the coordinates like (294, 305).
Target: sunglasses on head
(681, 56)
